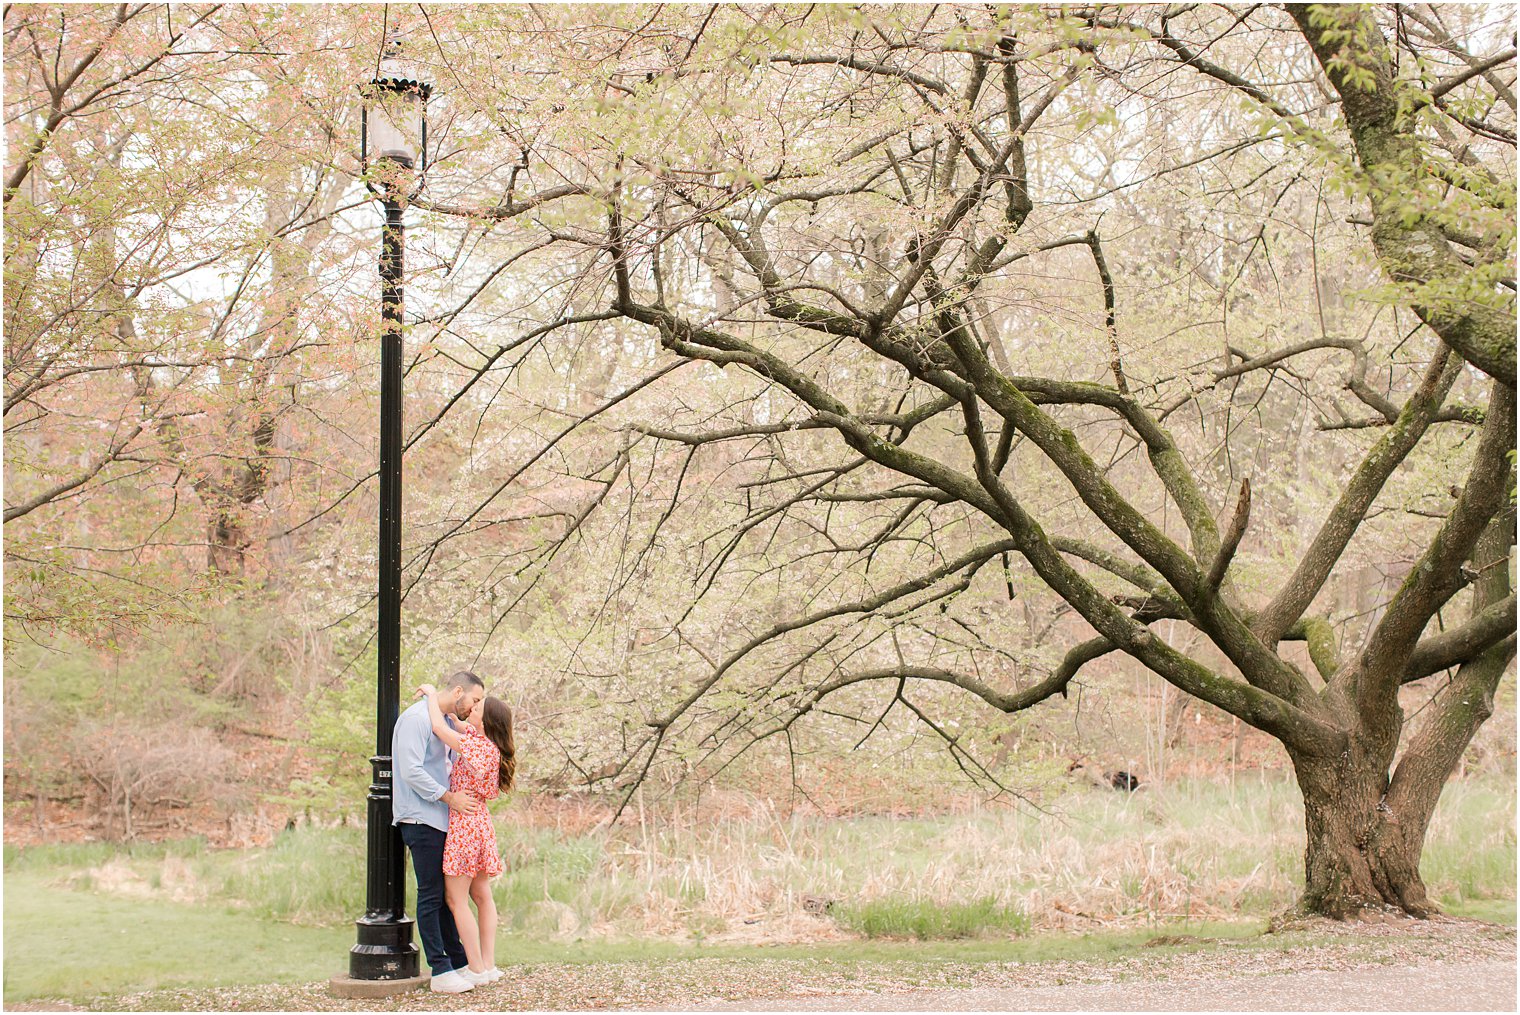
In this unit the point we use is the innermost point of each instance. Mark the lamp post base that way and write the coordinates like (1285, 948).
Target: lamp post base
(347, 986)
(385, 951)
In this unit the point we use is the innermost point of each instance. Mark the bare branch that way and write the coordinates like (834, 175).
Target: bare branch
(1232, 536)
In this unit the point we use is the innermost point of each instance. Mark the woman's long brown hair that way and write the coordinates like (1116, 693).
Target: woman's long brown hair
(496, 721)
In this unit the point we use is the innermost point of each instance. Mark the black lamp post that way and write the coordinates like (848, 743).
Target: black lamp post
(394, 145)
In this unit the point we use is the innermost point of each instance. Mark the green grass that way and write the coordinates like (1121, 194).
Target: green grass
(1191, 850)
(58, 856)
(112, 945)
(1501, 911)
(71, 944)
(1469, 857)
(63, 943)
(928, 920)
(309, 876)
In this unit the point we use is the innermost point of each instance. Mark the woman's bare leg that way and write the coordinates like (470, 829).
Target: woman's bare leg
(456, 892)
(485, 904)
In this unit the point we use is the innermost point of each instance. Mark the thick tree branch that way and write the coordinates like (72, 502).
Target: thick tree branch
(1345, 518)
(1260, 666)
(1318, 633)
(1259, 706)
(1414, 255)
(510, 208)
(1464, 704)
(1166, 460)
(1482, 67)
(1271, 698)
(1437, 576)
(1463, 644)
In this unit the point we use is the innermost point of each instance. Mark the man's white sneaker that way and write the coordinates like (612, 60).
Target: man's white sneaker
(452, 982)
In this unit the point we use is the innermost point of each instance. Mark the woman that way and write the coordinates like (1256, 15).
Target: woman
(485, 764)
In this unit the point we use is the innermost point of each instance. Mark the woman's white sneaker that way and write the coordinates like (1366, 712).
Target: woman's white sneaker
(479, 979)
(493, 974)
(452, 982)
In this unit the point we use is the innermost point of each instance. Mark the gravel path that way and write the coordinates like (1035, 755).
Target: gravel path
(1439, 964)
(1445, 986)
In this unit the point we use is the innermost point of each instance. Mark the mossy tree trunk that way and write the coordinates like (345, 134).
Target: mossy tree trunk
(1359, 852)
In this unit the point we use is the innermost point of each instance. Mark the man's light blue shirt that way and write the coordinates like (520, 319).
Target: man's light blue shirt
(420, 770)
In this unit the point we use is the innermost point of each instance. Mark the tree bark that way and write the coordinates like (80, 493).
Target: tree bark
(1359, 856)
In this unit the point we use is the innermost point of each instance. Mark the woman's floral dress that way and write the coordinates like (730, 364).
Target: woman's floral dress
(471, 845)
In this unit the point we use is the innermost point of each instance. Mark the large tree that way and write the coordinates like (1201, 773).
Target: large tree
(815, 194)
(1169, 324)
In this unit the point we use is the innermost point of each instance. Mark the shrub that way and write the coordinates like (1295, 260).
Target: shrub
(929, 920)
(139, 770)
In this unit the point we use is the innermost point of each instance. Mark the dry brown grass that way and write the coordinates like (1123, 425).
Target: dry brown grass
(1193, 850)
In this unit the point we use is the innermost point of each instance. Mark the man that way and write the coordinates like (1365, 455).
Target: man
(420, 803)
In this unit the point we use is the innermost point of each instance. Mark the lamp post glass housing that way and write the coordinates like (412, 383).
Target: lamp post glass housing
(395, 115)
(393, 137)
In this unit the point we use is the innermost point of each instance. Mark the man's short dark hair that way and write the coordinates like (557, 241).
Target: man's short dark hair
(464, 678)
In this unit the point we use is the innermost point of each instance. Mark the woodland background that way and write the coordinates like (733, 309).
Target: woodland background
(191, 360)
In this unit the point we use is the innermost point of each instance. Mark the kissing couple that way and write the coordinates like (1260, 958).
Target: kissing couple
(451, 752)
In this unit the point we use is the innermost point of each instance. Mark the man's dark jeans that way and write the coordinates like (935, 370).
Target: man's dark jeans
(435, 924)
